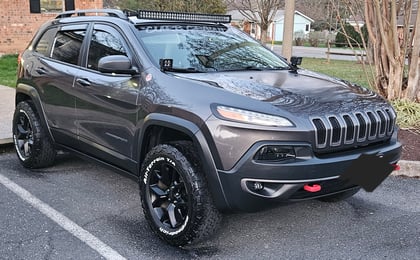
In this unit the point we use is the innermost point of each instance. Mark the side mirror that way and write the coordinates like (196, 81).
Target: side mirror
(118, 64)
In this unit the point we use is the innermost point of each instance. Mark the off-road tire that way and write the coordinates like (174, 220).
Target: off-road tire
(184, 212)
(33, 146)
(339, 196)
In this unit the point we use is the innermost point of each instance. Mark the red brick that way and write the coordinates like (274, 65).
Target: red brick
(18, 25)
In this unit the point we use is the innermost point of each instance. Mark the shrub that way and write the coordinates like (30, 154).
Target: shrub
(353, 37)
(408, 113)
(315, 38)
(299, 38)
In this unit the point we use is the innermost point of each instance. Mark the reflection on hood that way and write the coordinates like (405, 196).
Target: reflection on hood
(303, 92)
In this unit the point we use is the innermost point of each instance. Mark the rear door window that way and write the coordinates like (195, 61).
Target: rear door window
(68, 43)
(43, 45)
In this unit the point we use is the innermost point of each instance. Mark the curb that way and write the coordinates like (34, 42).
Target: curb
(408, 169)
(6, 141)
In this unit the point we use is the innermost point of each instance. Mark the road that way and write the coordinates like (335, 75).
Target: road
(312, 52)
(89, 212)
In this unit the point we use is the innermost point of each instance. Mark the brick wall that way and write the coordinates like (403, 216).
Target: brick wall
(18, 25)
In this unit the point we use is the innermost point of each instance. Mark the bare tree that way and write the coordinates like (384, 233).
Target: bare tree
(413, 85)
(316, 9)
(389, 26)
(394, 35)
(261, 12)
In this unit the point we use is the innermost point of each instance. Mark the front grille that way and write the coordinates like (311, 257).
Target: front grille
(359, 128)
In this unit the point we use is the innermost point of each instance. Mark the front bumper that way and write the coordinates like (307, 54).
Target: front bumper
(252, 185)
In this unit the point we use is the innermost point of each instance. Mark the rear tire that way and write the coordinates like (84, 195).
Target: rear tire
(175, 197)
(32, 143)
(340, 196)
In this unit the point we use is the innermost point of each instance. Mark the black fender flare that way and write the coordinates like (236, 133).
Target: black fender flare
(32, 93)
(199, 140)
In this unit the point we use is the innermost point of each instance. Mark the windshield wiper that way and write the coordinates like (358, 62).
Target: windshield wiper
(183, 70)
(281, 68)
(257, 68)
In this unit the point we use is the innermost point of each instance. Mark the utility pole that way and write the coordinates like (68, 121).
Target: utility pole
(289, 15)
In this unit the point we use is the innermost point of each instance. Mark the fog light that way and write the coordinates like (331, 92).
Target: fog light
(275, 153)
(256, 186)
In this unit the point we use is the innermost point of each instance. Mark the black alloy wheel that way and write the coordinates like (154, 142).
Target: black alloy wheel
(24, 136)
(168, 195)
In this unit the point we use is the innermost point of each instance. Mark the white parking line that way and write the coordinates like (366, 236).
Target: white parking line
(77, 231)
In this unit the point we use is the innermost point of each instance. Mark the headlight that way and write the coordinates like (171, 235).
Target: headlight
(246, 116)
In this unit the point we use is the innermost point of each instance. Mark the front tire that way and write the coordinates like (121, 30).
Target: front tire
(174, 194)
(32, 143)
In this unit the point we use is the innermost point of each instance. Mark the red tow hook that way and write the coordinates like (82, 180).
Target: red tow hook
(312, 188)
(396, 167)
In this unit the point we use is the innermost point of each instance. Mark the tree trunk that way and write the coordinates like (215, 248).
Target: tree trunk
(289, 16)
(264, 29)
(390, 42)
(413, 87)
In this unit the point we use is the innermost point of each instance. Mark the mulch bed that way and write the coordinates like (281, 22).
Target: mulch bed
(410, 140)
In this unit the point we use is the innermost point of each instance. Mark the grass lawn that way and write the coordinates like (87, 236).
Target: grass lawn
(348, 70)
(8, 66)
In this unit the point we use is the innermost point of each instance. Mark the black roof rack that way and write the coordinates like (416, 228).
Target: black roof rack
(179, 16)
(109, 12)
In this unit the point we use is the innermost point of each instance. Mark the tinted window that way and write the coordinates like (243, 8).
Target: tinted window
(45, 41)
(105, 41)
(67, 45)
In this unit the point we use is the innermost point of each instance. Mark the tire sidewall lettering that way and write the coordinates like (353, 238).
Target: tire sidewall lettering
(152, 163)
(176, 232)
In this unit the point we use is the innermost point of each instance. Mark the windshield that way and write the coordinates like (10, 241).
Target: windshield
(206, 48)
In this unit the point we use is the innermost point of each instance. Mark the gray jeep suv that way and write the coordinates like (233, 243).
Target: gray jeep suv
(204, 117)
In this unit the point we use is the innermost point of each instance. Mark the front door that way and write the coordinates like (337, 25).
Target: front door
(106, 103)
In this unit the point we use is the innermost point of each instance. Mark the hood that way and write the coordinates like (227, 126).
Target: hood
(303, 92)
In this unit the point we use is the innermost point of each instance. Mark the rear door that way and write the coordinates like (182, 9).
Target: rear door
(57, 63)
(106, 104)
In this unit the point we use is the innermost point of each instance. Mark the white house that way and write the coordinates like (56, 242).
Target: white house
(302, 24)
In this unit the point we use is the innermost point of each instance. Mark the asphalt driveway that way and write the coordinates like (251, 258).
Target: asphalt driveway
(77, 210)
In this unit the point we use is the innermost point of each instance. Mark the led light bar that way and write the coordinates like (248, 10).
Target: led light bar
(180, 16)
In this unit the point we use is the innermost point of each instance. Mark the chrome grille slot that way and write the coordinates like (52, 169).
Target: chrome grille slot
(336, 131)
(391, 124)
(349, 130)
(373, 125)
(362, 130)
(359, 128)
(321, 133)
(383, 123)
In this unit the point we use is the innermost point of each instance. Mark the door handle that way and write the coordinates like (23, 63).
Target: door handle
(83, 82)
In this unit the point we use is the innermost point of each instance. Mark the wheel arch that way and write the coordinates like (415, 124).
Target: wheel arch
(162, 128)
(25, 92)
